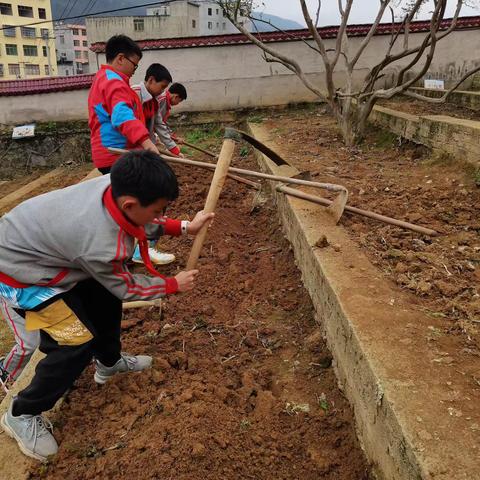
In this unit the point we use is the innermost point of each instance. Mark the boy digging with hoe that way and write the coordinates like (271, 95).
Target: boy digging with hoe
(63, 258)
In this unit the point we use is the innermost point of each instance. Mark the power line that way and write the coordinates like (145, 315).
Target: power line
(88, 7)
(88, 15)
(65, 8)
(74, 4)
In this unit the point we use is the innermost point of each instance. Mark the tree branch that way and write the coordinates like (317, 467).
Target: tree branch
(444, 97)
(389, 59)
(341, 31)
(373, 29)
(285, 32)
(323, 52)
(317, 17)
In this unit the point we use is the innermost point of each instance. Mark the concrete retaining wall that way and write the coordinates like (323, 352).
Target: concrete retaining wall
(384, 364)
(457, 137)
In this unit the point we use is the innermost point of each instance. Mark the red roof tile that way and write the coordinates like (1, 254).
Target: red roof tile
(45, 85)
(291, 35)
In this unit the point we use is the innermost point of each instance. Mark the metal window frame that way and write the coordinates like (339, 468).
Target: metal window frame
(25, 8)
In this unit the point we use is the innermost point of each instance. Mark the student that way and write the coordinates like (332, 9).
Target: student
(72, 245)
(115, 114)
(157, 79)
(176, 94)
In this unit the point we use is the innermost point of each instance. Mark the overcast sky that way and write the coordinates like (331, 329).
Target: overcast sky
(363, 11)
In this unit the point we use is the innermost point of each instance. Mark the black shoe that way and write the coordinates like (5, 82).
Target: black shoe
(4, 375)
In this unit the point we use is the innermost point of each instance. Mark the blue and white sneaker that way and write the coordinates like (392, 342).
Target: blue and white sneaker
(158, 258)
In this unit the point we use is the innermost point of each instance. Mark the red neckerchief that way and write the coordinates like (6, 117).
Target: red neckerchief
(130, 228)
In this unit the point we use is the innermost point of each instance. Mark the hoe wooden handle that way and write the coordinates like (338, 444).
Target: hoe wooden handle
(216, 186)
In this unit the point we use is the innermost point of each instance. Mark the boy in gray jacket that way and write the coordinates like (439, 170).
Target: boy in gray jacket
(176, 94)
(63, 259)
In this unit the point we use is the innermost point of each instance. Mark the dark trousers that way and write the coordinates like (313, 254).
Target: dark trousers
(100, 312)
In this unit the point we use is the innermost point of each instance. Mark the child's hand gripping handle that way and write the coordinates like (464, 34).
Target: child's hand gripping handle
(216, 186)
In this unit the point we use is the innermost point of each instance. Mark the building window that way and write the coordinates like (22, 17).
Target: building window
(218, 25)
(42, 13)
(6, 9)
(45, 51)
(24, 11)
(85, 43)
(78, 54)
(210, 25)
(32, 69)
(30, 50)
(11, 49)
(47, 70)
(210, 11)
(67, 73)
(75, 31)
(224, 26)
(14, 69)
(138, 24)
(1, 70)
(194, 24)
(76, 43)
(28, 32)
(62, 39)
(9, 31)
(44, 32)
(218, 11)
(84, 32)
(85, 55)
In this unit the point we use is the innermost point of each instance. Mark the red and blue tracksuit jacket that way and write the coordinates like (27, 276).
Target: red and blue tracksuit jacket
(115, 116)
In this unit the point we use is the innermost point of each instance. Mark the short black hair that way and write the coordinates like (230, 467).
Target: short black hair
(158, 72)
(179, 89)
(144, 175)
(121, 44)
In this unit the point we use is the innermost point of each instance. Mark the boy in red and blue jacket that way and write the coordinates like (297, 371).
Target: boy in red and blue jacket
(115, 113)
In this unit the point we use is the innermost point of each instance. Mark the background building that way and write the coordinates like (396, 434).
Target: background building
(26, 52)
(72, 49)
(170, 19)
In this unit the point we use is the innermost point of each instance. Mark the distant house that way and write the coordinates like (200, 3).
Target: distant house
(72, 49)
(170, 19)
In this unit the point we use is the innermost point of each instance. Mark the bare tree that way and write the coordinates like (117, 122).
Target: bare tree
(352, 102)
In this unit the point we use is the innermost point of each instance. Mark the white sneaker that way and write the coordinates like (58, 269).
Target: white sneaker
(32, 433)
(127, 363)
(158, 258)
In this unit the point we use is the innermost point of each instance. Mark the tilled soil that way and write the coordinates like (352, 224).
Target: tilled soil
(401, 181)
(242, 384)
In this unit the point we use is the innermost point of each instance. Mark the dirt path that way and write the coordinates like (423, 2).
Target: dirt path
(442, 274)
(242, 384)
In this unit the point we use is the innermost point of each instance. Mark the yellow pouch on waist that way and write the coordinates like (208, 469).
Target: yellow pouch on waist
(60, 322)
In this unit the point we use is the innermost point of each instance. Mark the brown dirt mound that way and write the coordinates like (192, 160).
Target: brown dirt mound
(242, 384)
(401, 181)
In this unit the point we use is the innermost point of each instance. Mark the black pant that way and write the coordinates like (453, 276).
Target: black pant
(101, 313)
(104, 170)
